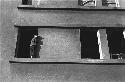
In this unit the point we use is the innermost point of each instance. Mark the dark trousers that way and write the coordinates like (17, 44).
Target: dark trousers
(34, 51)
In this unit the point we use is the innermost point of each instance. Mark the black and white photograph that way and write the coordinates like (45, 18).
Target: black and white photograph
(62, 40)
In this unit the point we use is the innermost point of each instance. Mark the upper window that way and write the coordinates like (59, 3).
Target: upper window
(108, 3)
(27, 2)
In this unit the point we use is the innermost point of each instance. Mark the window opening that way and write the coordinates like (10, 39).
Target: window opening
(110, 3)
(87, 2)
(89, 44)
(27, 2)
(116, 42)
(23, 42)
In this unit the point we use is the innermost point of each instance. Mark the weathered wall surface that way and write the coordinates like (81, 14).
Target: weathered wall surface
(67, 73)
(45, 72)
(71, 18)
(7, 37)
(60, 43)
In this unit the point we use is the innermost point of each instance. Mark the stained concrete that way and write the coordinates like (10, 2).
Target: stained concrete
(70, 18)
(60, 43)
(67, 73)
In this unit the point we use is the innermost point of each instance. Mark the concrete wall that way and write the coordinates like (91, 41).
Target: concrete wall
(45, 72)
(60, 43)
(71, 18)
(7, 37)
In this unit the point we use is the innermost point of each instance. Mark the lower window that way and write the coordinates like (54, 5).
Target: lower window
(23, 42)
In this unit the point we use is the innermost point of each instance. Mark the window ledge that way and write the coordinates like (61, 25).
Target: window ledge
(31, 7)
(67, 61)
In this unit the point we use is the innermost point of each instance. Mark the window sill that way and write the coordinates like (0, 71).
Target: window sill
(31, 7)
(68, 61)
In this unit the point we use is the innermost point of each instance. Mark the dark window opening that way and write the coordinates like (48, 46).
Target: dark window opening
(86, 2)
(105, 3)
(116, 42)
(110, 3)
(89, 44)
(23, 42)
(27, 2)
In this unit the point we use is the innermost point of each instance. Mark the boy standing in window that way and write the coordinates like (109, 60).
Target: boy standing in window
(35, 46)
